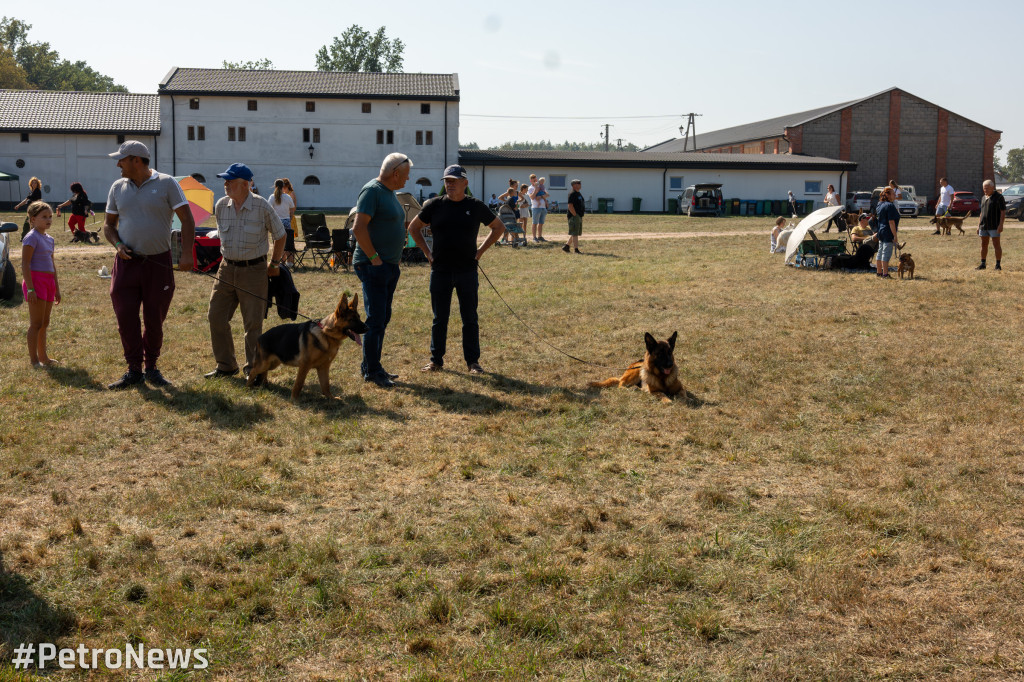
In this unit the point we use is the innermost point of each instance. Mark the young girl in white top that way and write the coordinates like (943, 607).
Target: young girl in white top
(40, 284)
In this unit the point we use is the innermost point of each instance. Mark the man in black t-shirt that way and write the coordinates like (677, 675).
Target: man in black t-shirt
(454, 221)
(577, 207)
(990, 224)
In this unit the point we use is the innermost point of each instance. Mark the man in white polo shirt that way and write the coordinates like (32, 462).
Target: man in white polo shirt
(138, 223)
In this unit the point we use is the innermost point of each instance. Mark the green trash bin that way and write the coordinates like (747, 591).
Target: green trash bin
(759, 210)
(673, 205)
(726, 208)
(602, 205)
(636, 204)
(611, 205)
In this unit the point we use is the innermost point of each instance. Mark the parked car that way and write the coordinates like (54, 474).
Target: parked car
(702, 199)
(964, 203)
(8, 280)
(858, 201)
(907, 207)
(1014, 196)
(910, 194)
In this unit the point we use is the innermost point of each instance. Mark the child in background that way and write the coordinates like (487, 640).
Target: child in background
(40, 284)
(541, 194)
(780, 225)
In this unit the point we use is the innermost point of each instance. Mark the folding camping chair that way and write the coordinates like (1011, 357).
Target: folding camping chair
(206, 254)
(818, 253)
(317, 241)
(341, 250)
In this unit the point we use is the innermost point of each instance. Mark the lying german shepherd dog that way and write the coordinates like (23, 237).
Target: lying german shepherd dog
(656, 373)
(308, 345)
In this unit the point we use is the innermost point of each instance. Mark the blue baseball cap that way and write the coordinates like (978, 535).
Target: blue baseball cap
(236, 171)
(454, 171)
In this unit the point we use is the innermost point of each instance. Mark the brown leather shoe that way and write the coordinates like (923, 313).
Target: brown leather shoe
(431, 367)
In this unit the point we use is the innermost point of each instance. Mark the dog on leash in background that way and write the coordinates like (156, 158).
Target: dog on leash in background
(945, 224)
(656, 374)
(308, 345)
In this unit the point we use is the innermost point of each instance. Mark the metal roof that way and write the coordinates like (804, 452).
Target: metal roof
(97, 113)
(474, 157)
(327, 84)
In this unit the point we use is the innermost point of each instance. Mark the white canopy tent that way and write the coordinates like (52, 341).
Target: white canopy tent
(811, 221)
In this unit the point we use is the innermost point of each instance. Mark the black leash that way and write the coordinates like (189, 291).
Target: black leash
(534, 332)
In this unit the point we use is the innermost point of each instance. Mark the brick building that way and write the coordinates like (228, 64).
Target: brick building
(891, 134)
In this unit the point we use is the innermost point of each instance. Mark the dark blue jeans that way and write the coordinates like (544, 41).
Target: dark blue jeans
(379, 283)
(465, 285)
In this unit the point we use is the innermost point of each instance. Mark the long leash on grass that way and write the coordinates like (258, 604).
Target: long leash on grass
(534, 332)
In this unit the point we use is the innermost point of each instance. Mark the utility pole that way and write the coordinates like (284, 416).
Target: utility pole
(690, 125)
(606, 137)
(618, 143)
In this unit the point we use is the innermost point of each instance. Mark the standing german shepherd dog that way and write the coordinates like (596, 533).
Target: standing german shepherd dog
(308, 345)
(656, 373)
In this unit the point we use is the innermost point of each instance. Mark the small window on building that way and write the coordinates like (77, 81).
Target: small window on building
(424, 108)
(202, 133)
(305, 134)
(241, 134)
(676, 184)
(425, 182)
(366, 107)
(812, 187)
(430, 137)
(231, 133)
(380, 137)
(556, 181)
(24, 137)
(252, 105)
(199, 177)
(311, 180)
(391, 137)
(193, 103)
(191, 132)
(316, 135)
(120, 139)
(310, 106)
(419, 137)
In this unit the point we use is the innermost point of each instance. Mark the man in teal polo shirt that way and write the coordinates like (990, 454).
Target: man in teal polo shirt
(379, 230)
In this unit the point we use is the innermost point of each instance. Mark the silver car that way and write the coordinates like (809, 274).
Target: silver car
(1014, 196)
(8, 280)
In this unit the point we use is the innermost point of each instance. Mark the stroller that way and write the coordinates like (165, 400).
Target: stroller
(512, 226)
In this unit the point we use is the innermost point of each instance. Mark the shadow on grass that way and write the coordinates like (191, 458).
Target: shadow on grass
(502, 382)
(75, 377)
(216, 408)
(342, 405)
(25, 617)
(471, 402)
(16, 300)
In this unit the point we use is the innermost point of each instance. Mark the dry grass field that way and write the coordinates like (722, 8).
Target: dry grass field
(838, 497)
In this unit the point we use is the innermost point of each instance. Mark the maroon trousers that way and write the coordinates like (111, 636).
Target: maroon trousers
(146, 282)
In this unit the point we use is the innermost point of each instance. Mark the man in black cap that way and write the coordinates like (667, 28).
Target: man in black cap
(454, 221)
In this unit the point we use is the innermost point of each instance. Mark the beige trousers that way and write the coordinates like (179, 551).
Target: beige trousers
(238, 287)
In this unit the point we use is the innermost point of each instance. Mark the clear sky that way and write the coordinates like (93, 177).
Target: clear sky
(586, 64)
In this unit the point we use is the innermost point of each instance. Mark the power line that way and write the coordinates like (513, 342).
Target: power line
(566, 118)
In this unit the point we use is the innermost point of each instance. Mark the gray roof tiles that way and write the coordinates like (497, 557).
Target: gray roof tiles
(98, 113)
(187, 81)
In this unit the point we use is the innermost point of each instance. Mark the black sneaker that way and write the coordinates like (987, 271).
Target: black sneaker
(156, 379)
(381, 379)
(565, 248)
(579, 252)
(937, 232)
(998, 266)
(130, 378)
(980, 267)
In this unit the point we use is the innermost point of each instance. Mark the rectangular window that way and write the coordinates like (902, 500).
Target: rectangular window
(120, 139)
(556, 182)
(424, 108)
(202, 132)
(812, 187)
(391, 137)
(191, 132)
(193, 103)
(305, 134)
(310, 106)
(380, 137)
(231, 133)
(241, 134)
(430, 137)
(24, 137)
(252, 105)
(676, 184)
(366, 107)
(419, 137)
(316, 135)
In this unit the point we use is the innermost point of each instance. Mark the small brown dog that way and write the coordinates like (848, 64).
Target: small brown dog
(656, 374)
(945, 224)
(906, 266)
(308, 345)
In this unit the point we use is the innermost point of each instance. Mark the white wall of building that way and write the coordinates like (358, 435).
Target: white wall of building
(622, 184)
(345, 158)
(58, 160)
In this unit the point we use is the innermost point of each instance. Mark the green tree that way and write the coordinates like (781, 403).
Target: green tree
(546, 145)
(359, 50)
(43, 67)
(254, 65)
(12, 76)
(1013, 169)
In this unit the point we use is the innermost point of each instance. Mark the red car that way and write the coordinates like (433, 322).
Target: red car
(964, 203)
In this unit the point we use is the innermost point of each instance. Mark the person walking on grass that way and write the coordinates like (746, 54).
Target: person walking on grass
(379, 230)
(80, 208)
(990, 222)
(35, 193)
(888, 218)
(577, 207)
(454, 220)
(40, 285)
(138, 223)
(945, 199)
